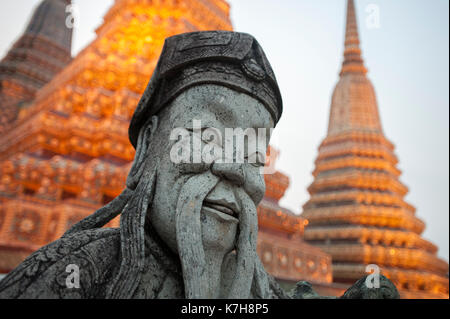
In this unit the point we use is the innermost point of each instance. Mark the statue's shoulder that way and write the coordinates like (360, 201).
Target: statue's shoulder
(75, 266)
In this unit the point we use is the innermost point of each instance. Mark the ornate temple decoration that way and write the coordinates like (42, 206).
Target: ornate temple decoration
(68, 153)
(356, 211)
(281, 247)
(35, 58)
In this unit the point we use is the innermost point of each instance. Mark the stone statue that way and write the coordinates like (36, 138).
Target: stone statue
(188, 229)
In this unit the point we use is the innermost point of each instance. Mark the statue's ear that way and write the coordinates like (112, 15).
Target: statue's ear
(145, 135)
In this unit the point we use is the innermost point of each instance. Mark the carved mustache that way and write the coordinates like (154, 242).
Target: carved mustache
(226, 208)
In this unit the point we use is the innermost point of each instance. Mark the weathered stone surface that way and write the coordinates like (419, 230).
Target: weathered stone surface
(359, 290)
(187, 230)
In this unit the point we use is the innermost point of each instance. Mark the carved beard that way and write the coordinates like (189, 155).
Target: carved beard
(189, 239)
(132, 235)
(133, 205)
(190, 245)
(245, 267)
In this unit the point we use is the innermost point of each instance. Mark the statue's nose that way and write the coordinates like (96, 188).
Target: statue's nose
(233, 172)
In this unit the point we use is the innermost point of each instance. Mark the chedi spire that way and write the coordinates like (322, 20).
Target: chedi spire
(41, 52)
(353, 62)
(357, 212)
(354, 103)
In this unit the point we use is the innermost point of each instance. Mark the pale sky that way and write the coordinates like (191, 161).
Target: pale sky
(408, 62)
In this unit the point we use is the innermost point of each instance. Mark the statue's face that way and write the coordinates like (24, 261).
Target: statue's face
(219, 108)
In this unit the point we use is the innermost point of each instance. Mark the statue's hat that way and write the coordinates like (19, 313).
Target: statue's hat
(232, 59)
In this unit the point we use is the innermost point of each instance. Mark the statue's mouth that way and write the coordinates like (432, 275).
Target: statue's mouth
(227, 211)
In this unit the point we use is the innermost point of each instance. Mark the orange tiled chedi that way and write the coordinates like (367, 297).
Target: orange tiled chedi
(356, 211)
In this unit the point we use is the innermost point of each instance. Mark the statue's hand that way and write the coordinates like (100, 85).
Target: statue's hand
(360, 290)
